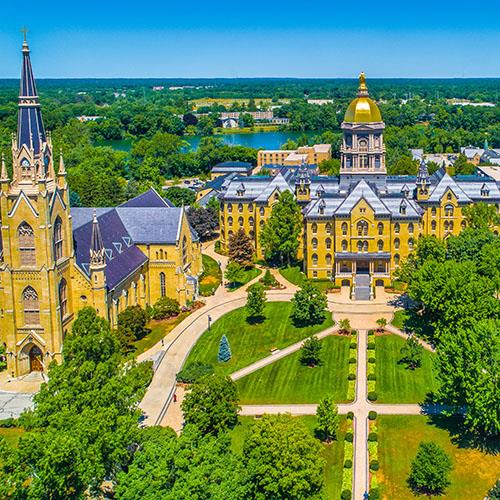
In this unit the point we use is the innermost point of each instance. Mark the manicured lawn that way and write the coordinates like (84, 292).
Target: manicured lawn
(288, 381)
(211, 277)
(295, 276)
(395, 383)
(399, 319)
(251, 341)
(474, 472)
(249, 275)
(158, 330)
(332, 453)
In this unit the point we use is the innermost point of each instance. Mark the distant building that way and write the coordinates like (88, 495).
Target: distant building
(481, 155)
(466, 102)
(229, 167)
(304, 154)
(85, 118)
(158, 88)
(320, 102)
(441, 159)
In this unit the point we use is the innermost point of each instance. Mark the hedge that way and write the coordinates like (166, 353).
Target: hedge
(372, 396)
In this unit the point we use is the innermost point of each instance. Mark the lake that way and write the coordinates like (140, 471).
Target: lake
(257, 140)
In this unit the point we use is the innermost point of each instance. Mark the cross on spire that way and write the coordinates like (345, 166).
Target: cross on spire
(24, 31)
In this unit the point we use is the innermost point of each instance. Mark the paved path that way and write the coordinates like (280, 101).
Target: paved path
(12, 404)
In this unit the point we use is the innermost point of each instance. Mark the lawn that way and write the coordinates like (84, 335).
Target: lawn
(248, 275)
(332, 453)
(395, 383)
(158, 330)
(474, 472)
(399, 318)
(211, 277)
(295, 276)
(250, 342)
(288, 381)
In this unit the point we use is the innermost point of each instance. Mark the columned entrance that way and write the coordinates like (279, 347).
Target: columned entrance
(363, 267)
(36, 357)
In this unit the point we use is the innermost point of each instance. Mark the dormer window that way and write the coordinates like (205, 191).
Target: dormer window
(402, 208)
(241, 190)
(405, 190)
(485, 192)
(321, 207)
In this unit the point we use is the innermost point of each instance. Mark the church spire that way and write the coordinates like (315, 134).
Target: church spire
(30, 130)
(423, 173)
(97, 256)
(3, 175)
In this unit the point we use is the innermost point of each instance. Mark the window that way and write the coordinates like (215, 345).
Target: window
(344, 228)
(261, 211)
(397, 228)
(450, 227)
(163, 285)
(184, 251)
(240, 221)
(315, 274)
(396, 259)
(360, 246)
(363, 145)
(365, 246)
(445, 225)
(314, 243)
(433, 211)
(396, 243)
(26, 238)
(240, 207)
(402, 209)
(463, 224)
(250, 207)
(251, 221)
(377, 161)
(31, 307)
(261, 223)
(328, 228)
(328, 243)
(344, 245)
(380, 245)
(328, 259)
(58, 239)
(229, 207)
(448, 196)
(314, 260)
(380, 228)
(410, 244)
(448, 211)
(63, 298)
(230, 220)
(433, 225)
(362, 227)
(314, 227)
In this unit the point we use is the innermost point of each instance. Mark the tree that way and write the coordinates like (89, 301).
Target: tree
(494, 493)
(344, 326)
(328, 418)
(241, 249)
(430, 470)
(481, 216)
(205, 221)
(330, 167)
(411, 353)
(180, 196)
(132, 324)
(212, 405)
(310, 353)
(462, 166)
(282, 459)
(224, 353)
(309, 305)
(256, 300)
(246, 120)
(3, 359)
(234, 273)
(165, 307)
(281, 233)
(382, 323)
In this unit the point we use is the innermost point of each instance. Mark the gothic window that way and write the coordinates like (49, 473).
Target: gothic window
(230, 220)
(240, 207)
(261, 223)
(229, 207)
(396, 259)
(362, 227)
(314, 227)
(58, 239)
(251, 221)
(261, 211)
(344, 245)
(314, 260)
(448, 211)
(328, 228)
(31, 307)
(433, 211)
(26, 238)
(396, 243)
(184, 251)
(63, 298)
(163, 285)
(314, 243)
(328, 243)
(365, 246)
(360, 246)
(410, 228)
(328, 259)
(410, 244)
(380, 245)
(380, 228)
(397, 228)
(344, 228)
(433, 225)
(240, 221)
(250, 207)
(448, 196)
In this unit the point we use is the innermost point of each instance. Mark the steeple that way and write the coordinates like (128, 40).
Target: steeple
(423, 173)
(97, 256)
(30, 130)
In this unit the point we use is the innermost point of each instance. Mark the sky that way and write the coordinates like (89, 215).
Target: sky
(273, 38)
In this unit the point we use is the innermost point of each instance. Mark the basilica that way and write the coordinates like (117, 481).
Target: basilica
(55, 260)
(360, 225)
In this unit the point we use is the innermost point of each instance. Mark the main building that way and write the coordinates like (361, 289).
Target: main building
(358, 226)
(54, 259)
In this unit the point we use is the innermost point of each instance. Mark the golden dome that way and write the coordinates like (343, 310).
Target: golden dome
(362, 109)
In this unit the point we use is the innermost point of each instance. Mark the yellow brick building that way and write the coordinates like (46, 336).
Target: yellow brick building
(312, 155)
(54, 260)
(358, 226)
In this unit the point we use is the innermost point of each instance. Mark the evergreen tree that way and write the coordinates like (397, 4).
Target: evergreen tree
(224, 353)
(430, 470)
(256, 300)
(411, 353)
(328, 418)
(241, 249)
(310, 353)
(281, 233)
(309, 305)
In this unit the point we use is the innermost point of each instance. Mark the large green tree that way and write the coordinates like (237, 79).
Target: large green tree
(328, 418)
(256, 300)
(281, 233)
(309, 305)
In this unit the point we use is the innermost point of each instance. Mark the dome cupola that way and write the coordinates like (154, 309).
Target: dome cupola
(362, 109)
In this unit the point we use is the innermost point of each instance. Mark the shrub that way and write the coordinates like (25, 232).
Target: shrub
(353, 345)
(371, 346)
(349, 437)
(166, 307)
(351, 376)
(372, 396)
(374, 465)
(372, 415)
(352, 360)
(372, 376)
(374, 494)
(350, 415)
(373, 437)
(370, 333)
(348, 464)
(371, 359)
(354, 332)
(193, 372)
(8, 422)
(346, 495)
(268, 280)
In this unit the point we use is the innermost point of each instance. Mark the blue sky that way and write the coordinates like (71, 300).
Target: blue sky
(107, 38)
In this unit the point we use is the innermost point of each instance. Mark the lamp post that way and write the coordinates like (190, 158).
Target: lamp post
(209, 318)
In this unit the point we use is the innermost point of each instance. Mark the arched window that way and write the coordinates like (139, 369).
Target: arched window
(240, 221)
(229, 207)
(261, 210)
(362, 227)
(328, 243)
(446, 225)
(163, 285)
(365, 246)
(396, 243)
(360, 246)
(328, 228)
(261, 223)
(363, 145)
(397, 228)
(380, 245)
(251, 221)
(380, 228)
(433, 225)
(410, 244)
(433, 211)
(410, 228)
(63, 298)
(26, 238)
(314, 243)
(230, 220)
(396, 259)
(328, 259)
(31, 307)
(344, 228)
(463, 224)
(344, 245)
(314, 227)
(184, 251)
(314, 260)
(448, 211)
(250, 207)
(58, 239)
(448, 196)
(240, 207)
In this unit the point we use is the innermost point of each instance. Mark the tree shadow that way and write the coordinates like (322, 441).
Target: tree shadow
(255, 320)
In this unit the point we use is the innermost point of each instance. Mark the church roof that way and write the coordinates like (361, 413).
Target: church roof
(150, 198)
(362, 191)
(444, 184)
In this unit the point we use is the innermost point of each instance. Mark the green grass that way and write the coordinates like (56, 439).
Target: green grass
(474, 471)
(295, 276)
(399, 319)
(158, 330)
(333, 453)
(395, 383)
(288, 381)
(248, 275)
(250, 342)
(211, 277)
(11, 434)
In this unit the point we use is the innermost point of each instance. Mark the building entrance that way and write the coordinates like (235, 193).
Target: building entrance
(35, 355)
(362, 267)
